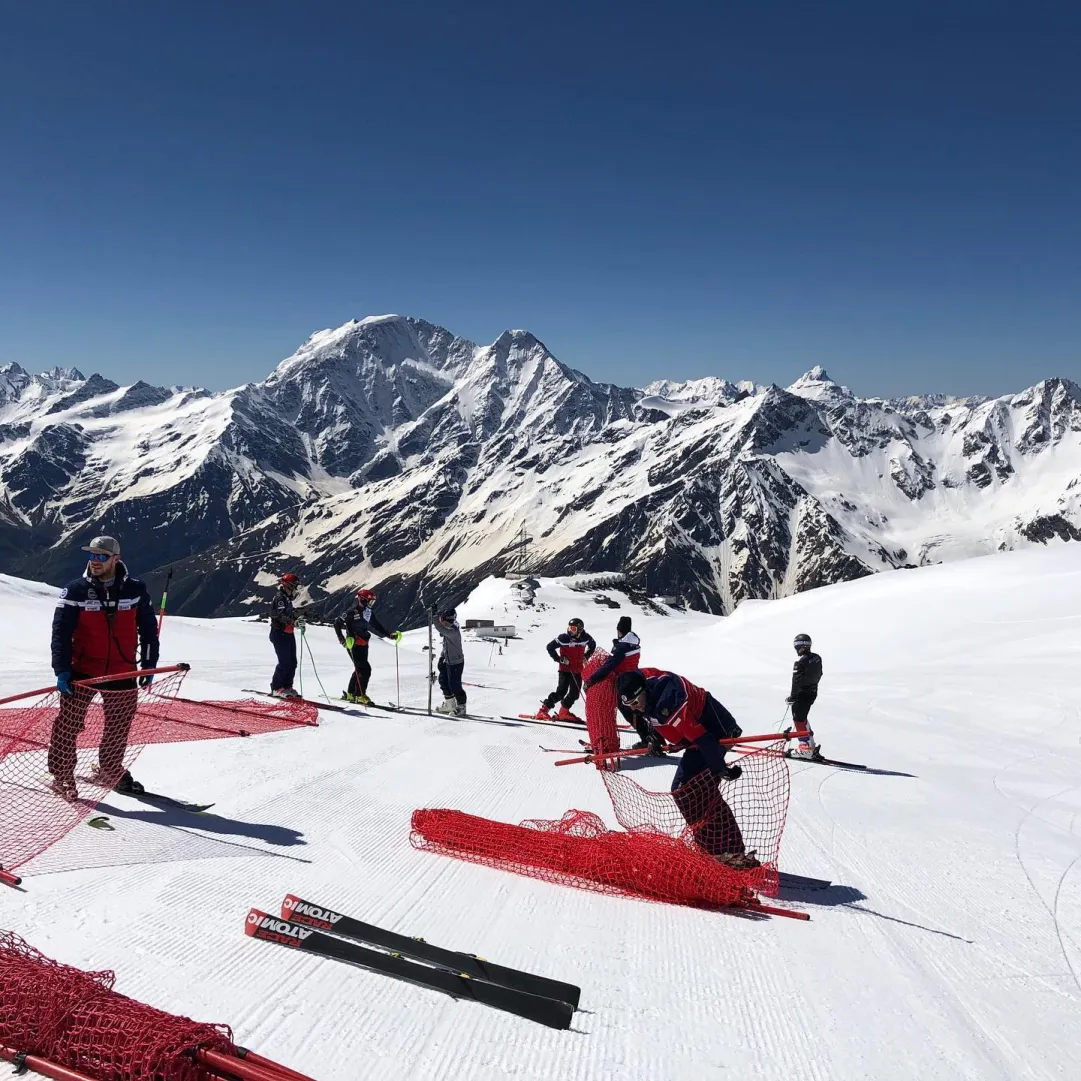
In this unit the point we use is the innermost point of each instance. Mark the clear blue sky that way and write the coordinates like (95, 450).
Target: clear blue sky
(892, 190)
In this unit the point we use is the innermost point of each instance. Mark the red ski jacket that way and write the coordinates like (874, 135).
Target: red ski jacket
(99, 631)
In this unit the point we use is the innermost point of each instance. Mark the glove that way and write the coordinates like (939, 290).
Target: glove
(654, 743)
(790, 699)
(397, 636)
(588, 683)
(350, 642)
(145, 681)
(63, 683)
(732, 773)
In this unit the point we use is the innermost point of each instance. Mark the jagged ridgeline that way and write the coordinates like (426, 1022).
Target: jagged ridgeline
(390, 453)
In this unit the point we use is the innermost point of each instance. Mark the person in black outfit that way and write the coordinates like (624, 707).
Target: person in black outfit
(806, 673)
(354, 631)
(283, 621)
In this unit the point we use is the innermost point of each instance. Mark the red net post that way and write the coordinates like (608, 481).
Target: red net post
(601, 707)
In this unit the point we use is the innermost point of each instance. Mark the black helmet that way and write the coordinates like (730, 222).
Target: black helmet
(577, 624)
(631, 685)
(802, 641)
(623, 625)
(448, 615)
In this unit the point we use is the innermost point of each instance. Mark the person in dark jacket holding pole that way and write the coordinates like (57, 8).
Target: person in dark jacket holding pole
(103, 621)
(668, 709)
(283, 624)
(354, 631)
(806, 674)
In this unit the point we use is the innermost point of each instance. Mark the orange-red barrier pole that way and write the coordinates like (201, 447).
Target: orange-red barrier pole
(249, 1071)
(44, 1067)
(8, 878)
(765, 737)
(99, 679)
(270, 1064)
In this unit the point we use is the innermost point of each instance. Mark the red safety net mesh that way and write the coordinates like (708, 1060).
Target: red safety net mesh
(60, 755)
(673, 849)
(601, 708)
(76, 1019)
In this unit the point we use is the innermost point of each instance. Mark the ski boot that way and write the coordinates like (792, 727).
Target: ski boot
(544, 713)
(565, 714)
(459, 709)
(284, 692)
(65, 788)
(449, 707)
(740, 861)
(805, 749)
(128, 785)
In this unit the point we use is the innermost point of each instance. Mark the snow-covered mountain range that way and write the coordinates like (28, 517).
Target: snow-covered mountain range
(392, 454)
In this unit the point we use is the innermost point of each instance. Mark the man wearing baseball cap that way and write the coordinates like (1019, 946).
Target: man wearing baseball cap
(103, 620)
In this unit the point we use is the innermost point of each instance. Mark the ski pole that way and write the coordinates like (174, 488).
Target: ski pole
(315, 670)
(164, 598)
(301, 651)
(397, 675)
(431, 677)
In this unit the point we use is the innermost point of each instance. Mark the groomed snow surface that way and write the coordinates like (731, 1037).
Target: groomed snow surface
(949, 946)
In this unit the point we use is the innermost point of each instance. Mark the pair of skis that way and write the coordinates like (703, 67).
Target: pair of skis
(317, 930)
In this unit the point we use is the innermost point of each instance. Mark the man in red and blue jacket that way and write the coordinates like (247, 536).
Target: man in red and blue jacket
(669, 709)
(570, 650)
(103, 622)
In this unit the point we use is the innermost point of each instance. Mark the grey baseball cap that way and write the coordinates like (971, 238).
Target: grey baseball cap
(103, 544)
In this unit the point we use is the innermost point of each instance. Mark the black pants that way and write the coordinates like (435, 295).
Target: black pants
(119, 701)
(285, 646)
(450, 681)
(801, 706)
(361, 668)
(568, 690)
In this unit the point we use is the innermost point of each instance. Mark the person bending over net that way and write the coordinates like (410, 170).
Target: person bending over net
(667, 709)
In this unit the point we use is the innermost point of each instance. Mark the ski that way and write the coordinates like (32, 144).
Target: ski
(309, 701)
(477, 968)
(824, 761)
(802, 882)
(528, 718)
(545, 1011)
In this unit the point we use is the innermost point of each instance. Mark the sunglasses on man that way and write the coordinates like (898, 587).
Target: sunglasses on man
(100, 557)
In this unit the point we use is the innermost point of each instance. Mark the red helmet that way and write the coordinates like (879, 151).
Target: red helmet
(289, 580)
(365, 596)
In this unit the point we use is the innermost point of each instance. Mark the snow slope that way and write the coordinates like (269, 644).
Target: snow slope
(949, 947)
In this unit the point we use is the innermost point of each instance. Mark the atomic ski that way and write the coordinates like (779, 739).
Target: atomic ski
(528, 718)
(545, 1011)
(324, 919)
(171, 801)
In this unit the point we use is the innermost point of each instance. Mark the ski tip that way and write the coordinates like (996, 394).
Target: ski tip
(251, 924)
(289, 904)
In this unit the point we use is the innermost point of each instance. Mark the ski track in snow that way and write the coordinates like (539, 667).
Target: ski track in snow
(949, 945)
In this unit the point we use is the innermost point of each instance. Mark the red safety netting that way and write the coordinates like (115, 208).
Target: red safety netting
(683, 847)
(60, 755)
(601, 705)
(76, 1019)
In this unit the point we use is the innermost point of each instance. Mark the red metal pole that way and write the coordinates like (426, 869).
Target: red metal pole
(98, 679)
(249, 1071)
(8, 878)
(44, 1067)
(791, 913)
(765, 737)
(270, 1064)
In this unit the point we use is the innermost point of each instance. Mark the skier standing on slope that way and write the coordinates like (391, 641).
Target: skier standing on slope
(101, 619)
(806, 674)
(283, 623)
(451, 663)
(570, 650)
(626, 651)
(667, 708)
(354, 631)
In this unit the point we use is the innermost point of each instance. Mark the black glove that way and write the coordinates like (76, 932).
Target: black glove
(654, 743)
(790, 699)
(731, 773)
(145, 681)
